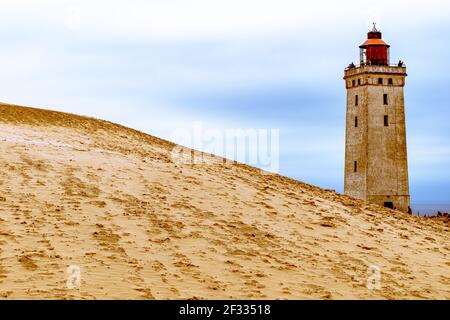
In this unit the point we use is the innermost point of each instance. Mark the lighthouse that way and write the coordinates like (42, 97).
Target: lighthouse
(376, 164)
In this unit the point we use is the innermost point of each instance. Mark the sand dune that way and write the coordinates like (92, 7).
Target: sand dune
(109, 199)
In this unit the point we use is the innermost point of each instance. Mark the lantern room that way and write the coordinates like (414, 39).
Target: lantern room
(374, 51)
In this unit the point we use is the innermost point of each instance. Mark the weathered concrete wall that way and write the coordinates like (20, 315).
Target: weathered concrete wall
(356, 143)
(380, 151)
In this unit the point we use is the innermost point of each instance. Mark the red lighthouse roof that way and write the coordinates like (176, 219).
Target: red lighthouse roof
(374, 42)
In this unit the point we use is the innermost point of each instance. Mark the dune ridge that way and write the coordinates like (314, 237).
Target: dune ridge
(86, 192)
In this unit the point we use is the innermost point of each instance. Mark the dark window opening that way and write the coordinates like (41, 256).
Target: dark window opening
(386, 121)
(356, 100)
(390, 81)
(355, 166)
(389, 205)
(380, 80)
(359, 82)
(385, 99)
(353, 83)
(356, 122)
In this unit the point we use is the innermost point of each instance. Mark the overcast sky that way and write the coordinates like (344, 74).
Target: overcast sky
(161, 65)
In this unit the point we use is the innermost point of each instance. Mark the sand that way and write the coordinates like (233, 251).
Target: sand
(109, 200)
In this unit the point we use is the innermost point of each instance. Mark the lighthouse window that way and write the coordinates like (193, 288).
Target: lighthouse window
(390, 81)
(356, 122)
(355, 166)
(356, 100)
(386, 121)
(385, 99)
(353, 83)
(380, 80)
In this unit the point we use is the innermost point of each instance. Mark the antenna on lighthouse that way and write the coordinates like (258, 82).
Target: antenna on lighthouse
(374, 27)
